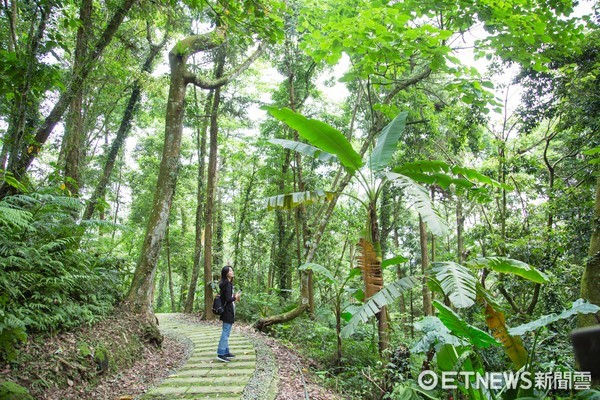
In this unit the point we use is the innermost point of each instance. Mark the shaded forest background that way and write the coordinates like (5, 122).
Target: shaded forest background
(136, 161)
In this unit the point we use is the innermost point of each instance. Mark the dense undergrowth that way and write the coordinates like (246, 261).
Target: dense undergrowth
(49, 279)
(362, 374)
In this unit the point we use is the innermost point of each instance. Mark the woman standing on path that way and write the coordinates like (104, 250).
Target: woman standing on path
(228, 297)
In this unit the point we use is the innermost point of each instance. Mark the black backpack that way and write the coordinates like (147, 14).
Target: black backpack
(218, 307)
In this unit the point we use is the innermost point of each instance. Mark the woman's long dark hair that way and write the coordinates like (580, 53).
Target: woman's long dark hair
(224, 272)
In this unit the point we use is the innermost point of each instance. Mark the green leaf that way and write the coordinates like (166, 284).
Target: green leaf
(509, 266)
(421, 201)
(321, 135)
(387, 142)
(393, 261)
(592, 151)
(305, 149)
(579, 306)
(291, 200)
(462, 329)
(435, 334)
(382, 298)
(457, 282)
(318, 269)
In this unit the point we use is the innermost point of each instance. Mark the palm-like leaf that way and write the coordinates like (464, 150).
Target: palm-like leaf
(466, 180)
(291, 200)
(321, 135)
(382, 298)
(304, 148)
(387, 142)
(318, 268)
(457, 282)
(579, 306)
(509, 266)
(462, 329)
(422, 203)
(370, 265)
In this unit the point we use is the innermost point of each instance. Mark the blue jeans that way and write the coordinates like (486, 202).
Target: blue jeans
(224, 342)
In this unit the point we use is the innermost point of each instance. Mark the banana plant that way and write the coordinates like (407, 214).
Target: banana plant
(330, 145)
(459, 285)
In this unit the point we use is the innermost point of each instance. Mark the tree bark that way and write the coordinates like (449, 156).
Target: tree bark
(210, 192)
(170, 270)
(590, 281)
(427, 307)
(139, 299)
(199, 242)
(74, 139)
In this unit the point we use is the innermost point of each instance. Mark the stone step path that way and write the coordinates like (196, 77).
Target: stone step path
(203, 377)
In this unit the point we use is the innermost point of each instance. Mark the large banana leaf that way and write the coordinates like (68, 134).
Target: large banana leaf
(387, 142)
(291, 200)
(318, 268)
(457, 282)
(382, 298)
(455, 173)
(579, 306)
(513, 346)
(420, 199)
(321, 135)
(305, 149)
(509, 266)
(393, 261)
(462, 329)
(466, 180)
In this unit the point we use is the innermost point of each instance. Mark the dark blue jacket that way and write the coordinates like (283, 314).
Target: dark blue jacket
(228, 299)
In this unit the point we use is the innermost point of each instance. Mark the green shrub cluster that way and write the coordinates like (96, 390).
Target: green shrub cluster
(47, 281)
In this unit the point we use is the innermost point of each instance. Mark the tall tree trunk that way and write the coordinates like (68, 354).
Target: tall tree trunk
(170, 270)
(590, 286)
(22, 157)
(460, 227)
(75, 138)
(25, 109)
(122, 132)
(199, 242)
(139, 299)
(160, 299)
(246, 203)
(210, 191)
(427, 307)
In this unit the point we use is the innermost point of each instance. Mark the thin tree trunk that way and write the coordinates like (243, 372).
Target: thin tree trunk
(19, 163)
(169, 269)
(122, 132)
(460, 227)
(199, 242)
(210, 191)
(427, 307)
(139, 299)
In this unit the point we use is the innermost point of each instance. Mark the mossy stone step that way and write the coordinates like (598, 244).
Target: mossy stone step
(203, 376)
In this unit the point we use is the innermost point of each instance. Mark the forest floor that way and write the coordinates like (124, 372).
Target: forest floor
(54, 368)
